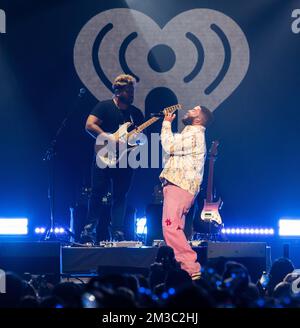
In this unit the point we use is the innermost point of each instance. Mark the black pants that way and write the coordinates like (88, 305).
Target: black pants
(118, 180)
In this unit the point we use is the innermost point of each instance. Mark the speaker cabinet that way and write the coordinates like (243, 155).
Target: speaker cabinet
(38, 258)
(254, 255)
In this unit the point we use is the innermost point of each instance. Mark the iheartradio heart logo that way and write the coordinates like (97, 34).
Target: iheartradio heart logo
(207, 55)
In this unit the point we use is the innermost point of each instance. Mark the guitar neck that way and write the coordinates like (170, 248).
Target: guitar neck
(144, 125)
(209, 191)
(152, 120)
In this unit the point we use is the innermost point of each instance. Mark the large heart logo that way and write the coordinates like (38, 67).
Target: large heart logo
(208, 55)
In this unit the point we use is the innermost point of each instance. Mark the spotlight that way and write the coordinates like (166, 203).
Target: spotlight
(248, 231)
(39, 230)
(141, 225)
(13, 226)
(289, 227)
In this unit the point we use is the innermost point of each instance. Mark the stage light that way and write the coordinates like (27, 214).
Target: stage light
(141, 225)
(289, 227)
(13, 226)
(247, 231)
(39, 230)
(42, 230)
(92, 298)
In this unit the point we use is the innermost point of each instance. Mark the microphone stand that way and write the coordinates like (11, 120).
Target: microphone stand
(49, 158)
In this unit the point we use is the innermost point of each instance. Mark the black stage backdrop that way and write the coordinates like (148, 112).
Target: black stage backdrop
(240, 58)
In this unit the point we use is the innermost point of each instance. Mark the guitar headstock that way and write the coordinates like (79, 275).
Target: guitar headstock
(213, 151)
(172, 109)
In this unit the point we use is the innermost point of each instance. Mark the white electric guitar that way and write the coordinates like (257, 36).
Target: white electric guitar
(210, 210)
(110, 154)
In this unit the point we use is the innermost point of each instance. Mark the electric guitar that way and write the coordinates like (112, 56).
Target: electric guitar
(110, 154)
(210, 210)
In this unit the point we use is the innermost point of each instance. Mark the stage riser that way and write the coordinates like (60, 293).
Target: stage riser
(52, 259)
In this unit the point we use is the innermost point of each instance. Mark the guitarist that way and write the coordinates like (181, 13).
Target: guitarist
(182, 176)
(104, 119)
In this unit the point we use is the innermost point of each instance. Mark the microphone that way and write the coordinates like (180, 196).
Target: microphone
(81, 93)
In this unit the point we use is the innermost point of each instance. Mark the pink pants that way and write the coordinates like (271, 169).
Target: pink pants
(177, 203)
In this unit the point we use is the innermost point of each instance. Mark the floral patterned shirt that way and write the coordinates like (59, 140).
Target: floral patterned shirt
(184, 156)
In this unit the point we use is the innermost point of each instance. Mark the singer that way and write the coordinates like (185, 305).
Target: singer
(181, 178)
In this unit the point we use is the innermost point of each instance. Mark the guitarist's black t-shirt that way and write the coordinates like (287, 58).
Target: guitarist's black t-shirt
(112, 117)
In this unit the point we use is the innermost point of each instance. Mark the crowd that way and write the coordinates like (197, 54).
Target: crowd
(221, 284)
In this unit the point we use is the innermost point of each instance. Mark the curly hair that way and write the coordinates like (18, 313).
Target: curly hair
(122, 81)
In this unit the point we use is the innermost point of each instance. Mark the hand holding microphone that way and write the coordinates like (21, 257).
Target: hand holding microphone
(169, 117)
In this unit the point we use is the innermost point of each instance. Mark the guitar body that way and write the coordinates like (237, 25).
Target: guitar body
(109, 154)
(210, 211)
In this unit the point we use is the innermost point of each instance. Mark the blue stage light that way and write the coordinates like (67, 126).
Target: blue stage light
(42, 230)
(141, 225)
(13, 226)
(289, 227)
(247, 231)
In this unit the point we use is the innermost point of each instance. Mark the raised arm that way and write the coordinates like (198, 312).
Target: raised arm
(177, 144)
